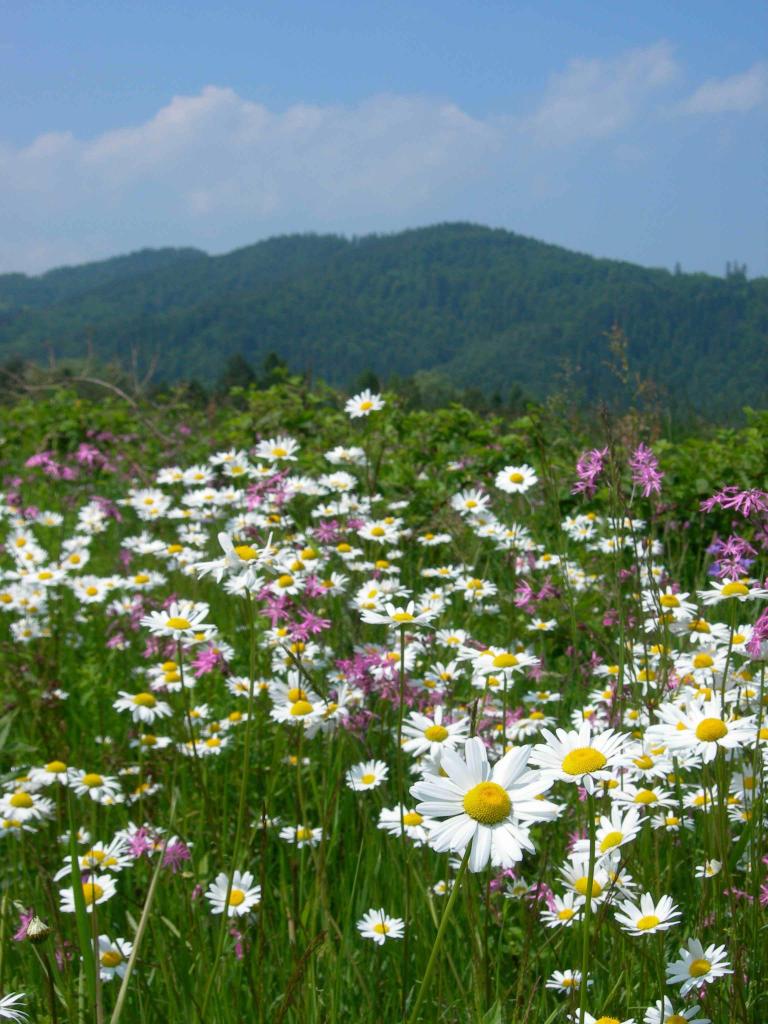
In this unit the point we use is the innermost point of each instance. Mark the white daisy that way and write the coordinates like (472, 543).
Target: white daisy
(376, 925)
(489, 808)
(698, 966)
(243, 894)
(648, 917)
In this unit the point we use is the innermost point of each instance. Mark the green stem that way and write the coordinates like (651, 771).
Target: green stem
(439, 938)
(587, 909)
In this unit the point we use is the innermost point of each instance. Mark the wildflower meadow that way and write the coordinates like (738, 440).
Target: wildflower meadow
(320, 709)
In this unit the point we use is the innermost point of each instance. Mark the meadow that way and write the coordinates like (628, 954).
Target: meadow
(319, 710)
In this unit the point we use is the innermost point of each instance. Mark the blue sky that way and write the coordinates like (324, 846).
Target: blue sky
(635, 131)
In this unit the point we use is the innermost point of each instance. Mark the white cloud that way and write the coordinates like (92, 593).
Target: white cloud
(594, 99)
(736, 94)
(218, 170)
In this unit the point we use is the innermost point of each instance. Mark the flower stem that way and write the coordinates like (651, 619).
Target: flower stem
(439, 937)
(587, 908)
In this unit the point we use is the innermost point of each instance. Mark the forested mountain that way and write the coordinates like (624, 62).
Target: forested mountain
(486, 308)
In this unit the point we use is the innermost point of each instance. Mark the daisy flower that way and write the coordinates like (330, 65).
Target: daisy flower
(376, 925)
(402, 818)
(98, 889)
(101, 788)
(113, 957)
(648, 917)
(708, 869)
(564, 911)
(394, 616)
(617, 830)
(367, 775)
(363, 404)
(566, 981)
(144, 707)
(180, 620)
(301, 835)
(731, 590)
(516, 479)
(603, 1019)
(665, 1014)
(698, 966)
(707, 730)
(578, 756)
(489, 808)
(9, 1007)
(424, 735)
(277, 449)
(243, 894)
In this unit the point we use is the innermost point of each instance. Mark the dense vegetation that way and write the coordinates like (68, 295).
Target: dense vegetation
(455, 306)
(243, 643)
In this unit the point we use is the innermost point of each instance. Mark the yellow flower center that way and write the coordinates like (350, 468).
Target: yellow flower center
(279, 452)
(303, 834)
(176, 622)
(644, 924)
(92, 893)
(174, 549)
(412, 818)
(505, 661)
(644, 762)
(21, 800)
(368, 778)
(669, 601)
(236, 897)
(91, 591)
(91, 779)
(580, 885)
(535, 716)
(296, 693)
(111, 958)
(565, 914)
(676, 1018)
(583, 760)
(645, 796)
(381, 928)
(141, 578)
(145, 700)
(344, 548)
(246, 553)
(56, 766)
(148, 740)
(286, 580)
(378, 531)
(607, 1020)
(402, 617)
(435, 733)
(703, 661)
(611, 840)
(487, 803)
(213, 741)
(516, 478)
(671, 819)
(698, 968)
(301, 708)
(734, 589)
(709, 730)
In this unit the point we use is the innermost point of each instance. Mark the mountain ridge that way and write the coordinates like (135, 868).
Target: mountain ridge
(476, 304)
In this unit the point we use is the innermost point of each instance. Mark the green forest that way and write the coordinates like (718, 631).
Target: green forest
(453, 308)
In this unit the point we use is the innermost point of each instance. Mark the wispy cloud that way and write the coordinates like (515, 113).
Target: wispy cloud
(595, 99)
(206, 164)
(736, 94)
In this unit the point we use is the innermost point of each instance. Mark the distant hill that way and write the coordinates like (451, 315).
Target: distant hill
(486, 308)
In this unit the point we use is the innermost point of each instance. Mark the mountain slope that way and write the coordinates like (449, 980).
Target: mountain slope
(486, 307)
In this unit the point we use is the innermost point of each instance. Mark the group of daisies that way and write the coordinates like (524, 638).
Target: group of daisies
(480, 725)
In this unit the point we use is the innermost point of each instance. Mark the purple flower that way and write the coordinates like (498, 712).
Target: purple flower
(206, 661)
(140, 842)
(25, 917)
(745, 502)
(645, 470)
(588, 468)
(175, 854)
